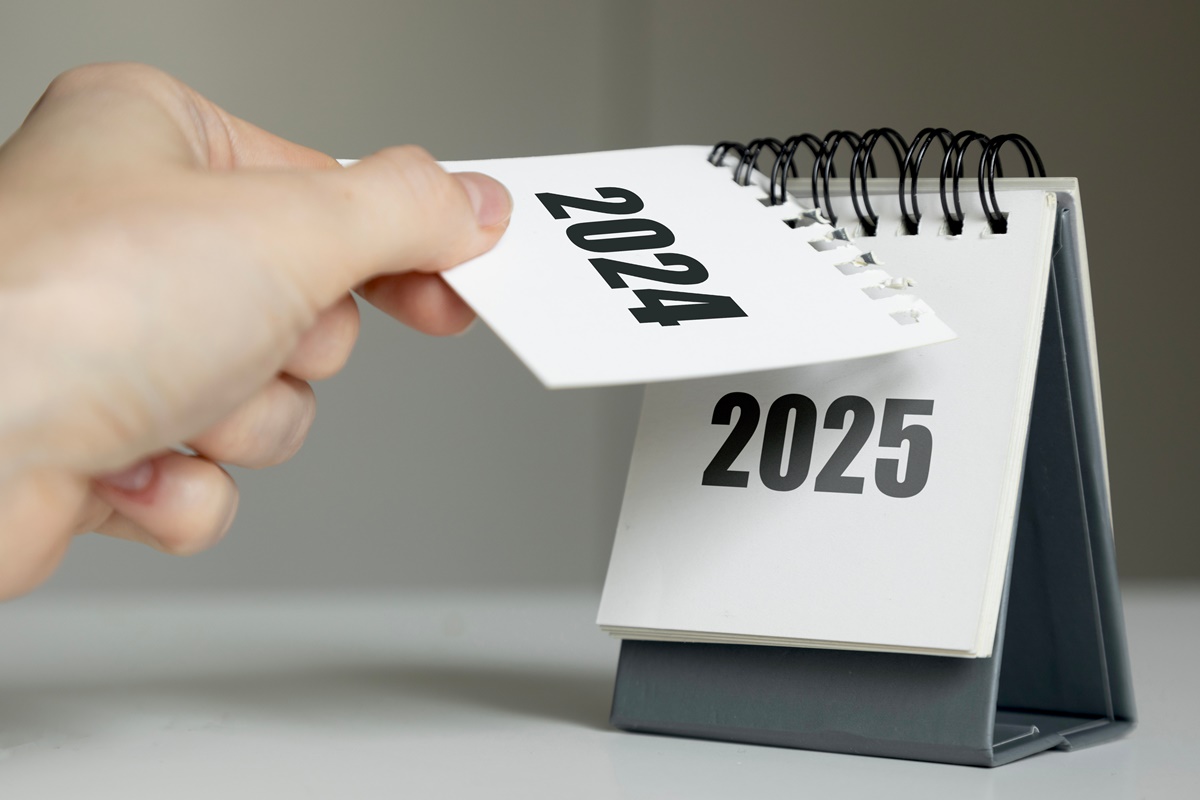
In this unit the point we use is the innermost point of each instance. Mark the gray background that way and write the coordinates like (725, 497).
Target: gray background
(443, 462)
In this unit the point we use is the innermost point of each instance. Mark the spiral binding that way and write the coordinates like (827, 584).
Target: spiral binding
(909, 157)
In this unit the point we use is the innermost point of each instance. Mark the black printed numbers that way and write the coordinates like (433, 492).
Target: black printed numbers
(786, 471)
(629, 234)
(611, 270)
(920, 448)
(626, 202)
(789, 435)
(718, 472)
(613, 235)
(833, 477)
(682, 306)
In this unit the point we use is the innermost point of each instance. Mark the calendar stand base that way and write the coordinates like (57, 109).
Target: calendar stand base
(900, 706)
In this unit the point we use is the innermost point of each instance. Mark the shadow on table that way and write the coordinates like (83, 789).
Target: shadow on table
(354, 697)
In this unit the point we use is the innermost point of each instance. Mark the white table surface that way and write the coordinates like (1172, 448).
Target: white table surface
(455, 695)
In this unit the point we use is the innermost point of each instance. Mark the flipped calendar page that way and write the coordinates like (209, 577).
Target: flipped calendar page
(648, 265)
(864, 505)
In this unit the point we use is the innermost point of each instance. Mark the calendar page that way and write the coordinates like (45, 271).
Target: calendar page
(862, 505)
(648, 265)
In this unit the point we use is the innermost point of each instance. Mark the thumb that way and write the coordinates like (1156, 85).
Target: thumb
(395, 211)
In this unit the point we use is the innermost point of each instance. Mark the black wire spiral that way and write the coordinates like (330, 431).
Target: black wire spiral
(909, 157)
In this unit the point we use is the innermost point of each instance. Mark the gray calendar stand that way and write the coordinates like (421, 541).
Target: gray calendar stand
(1059, 677)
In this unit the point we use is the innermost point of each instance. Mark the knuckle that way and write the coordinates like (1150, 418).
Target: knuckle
(301, 421)
(230, 440)
(202, 527)
(328, 346)
(425, 188)
(289, 419)
(38, 509)
(179, 541)
(191, 538)
(77, 78)
(90, 76)
(266, 431)
(19, 576)
(408, 154)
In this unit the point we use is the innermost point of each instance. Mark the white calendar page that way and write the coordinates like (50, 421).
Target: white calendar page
(647, 265)
(894, 533)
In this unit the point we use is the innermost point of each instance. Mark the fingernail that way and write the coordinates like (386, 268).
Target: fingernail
(470, 326)
(133, 480)
(490, 200)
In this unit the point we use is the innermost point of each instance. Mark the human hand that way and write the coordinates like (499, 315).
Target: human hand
(168, 274)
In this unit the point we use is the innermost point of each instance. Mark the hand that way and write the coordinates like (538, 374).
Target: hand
(171, 274)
